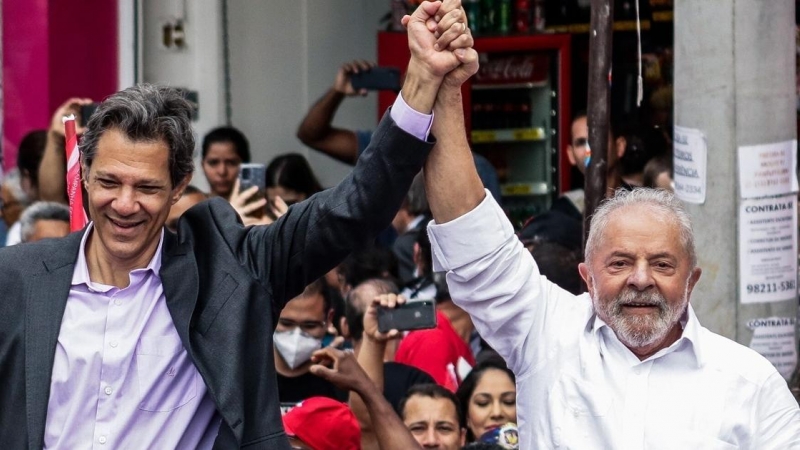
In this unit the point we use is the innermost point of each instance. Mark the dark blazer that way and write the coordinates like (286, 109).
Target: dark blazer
(224, 284)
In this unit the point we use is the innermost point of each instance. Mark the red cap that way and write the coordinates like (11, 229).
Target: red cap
(323, 424)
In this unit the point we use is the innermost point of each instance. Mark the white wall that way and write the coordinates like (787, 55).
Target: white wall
(283, 56)
(199, 66)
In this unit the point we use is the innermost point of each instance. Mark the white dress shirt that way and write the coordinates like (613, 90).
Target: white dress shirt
(578, 386)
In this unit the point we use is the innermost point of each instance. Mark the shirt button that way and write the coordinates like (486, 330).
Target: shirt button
(118, 302)
(108, 390)
(113, 344)
(637, 370)
(101, 439)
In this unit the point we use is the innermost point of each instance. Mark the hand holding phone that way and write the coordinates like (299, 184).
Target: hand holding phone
(254, 174)
(416, 315)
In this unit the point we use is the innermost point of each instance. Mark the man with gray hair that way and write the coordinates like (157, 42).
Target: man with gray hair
(626, 365)
(44, 220)
(125, 335)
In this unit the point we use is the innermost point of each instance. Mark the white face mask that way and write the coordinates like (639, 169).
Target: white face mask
(295, 346)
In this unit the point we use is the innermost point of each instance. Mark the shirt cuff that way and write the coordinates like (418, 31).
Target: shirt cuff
(411, 121)
(469, 237)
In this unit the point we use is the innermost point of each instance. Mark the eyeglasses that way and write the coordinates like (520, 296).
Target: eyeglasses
(309, 326)
(580, 142)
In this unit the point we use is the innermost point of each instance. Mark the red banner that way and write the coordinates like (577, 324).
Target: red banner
(77, 215)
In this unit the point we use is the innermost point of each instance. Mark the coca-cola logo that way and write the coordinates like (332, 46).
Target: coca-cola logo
(513, 69)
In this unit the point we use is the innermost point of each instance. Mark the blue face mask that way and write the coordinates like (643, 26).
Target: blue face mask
(588, 156)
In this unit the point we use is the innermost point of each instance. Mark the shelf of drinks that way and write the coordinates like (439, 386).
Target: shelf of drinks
(529, 85)
(619, 25)
(524, 189)
(508, 135)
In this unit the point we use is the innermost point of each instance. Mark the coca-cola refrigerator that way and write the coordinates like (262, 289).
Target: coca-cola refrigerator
(517, 109)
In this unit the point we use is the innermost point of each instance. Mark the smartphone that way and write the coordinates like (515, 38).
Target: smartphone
(87, 111)
(416, 315)
(376, 79)
(254, 174)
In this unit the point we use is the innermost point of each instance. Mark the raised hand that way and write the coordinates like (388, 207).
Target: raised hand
(433, 55)
(340, 368)
(342, 82)
(424, 44)
(371, 317)
(448, 21)
(71, 106)
(239, 200)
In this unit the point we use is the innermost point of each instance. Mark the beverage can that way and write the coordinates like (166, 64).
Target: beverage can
(504, 17)
(488, 11)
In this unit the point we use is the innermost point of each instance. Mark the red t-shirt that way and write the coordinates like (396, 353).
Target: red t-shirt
(436, 351)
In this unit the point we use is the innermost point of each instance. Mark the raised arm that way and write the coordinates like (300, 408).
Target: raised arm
(315, 235)
(370, 358)
(450, 168)
(316, 130)
(341, 369)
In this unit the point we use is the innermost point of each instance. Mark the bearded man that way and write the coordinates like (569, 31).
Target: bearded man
(626, 365)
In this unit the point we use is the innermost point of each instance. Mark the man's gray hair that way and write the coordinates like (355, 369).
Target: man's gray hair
(148, 113)
(41, 211)
(658, 200)
(13, 182)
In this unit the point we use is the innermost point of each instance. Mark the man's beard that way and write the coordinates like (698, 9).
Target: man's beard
(641, 330)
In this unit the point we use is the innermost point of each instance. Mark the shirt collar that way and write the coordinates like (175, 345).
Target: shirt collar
(690, 335)
(81, 273)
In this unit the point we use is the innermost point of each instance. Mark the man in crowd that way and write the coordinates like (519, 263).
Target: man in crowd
(626, 365)
(300, 331)
(125, 335)
(433, 415)
(361, 328)
(444, 352)
(44, 220)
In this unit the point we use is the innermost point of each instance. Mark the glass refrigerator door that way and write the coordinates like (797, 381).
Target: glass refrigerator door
(514, 112)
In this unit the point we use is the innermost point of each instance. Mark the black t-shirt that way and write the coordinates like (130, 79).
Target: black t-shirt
(398, 378)
(296, 389)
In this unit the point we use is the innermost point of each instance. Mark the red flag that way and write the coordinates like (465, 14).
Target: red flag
(77, 215)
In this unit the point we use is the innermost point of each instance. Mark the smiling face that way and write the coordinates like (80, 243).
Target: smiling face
(493, 402)
(641, 278)
(130, 195)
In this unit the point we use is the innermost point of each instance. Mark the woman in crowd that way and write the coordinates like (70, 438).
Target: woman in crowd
(224, 150)
(488, 397)
(290, 177)
(289, 180)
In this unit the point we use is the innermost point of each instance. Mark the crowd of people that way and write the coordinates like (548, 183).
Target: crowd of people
(253, 321)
